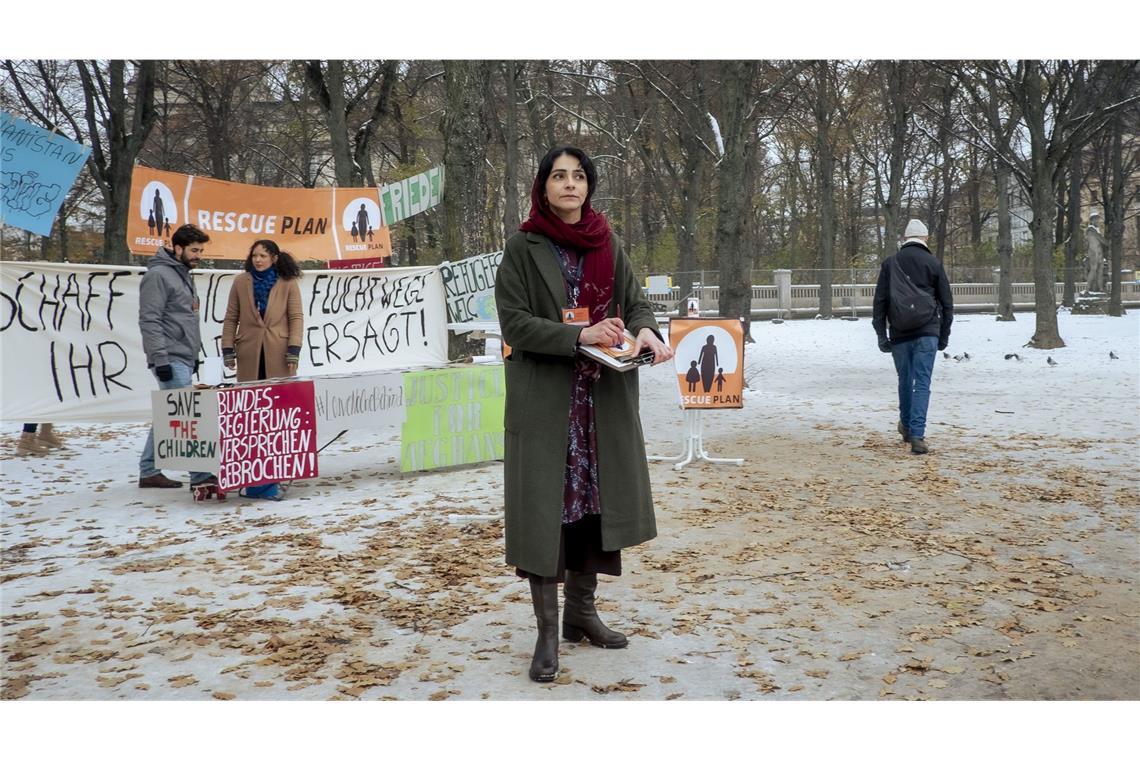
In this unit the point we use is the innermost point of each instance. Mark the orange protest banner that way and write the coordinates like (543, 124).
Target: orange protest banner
(709, 360)
(326, 224)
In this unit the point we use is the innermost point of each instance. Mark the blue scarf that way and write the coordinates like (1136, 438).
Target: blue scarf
(263, 282)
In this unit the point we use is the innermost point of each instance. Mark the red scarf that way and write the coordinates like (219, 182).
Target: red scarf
(590, 236)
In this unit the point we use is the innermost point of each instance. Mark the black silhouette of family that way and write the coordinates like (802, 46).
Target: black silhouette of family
(708, 373)
(157, 218)
(362, 226)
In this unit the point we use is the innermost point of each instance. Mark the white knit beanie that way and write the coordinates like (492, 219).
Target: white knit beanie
(915, 228)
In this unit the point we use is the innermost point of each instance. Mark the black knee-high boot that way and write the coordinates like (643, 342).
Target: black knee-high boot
(544, 666)
(580, 618)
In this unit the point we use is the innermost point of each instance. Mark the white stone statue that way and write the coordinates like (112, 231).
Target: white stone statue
(1095, 243)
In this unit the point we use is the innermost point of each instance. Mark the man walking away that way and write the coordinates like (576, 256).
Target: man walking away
(913, 300)
(168, 321)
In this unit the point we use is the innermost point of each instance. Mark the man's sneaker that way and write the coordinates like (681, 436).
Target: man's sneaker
(904, 432)
(158, 481)
(918, 446)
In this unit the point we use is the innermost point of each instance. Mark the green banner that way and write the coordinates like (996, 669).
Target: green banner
(454, 416)
(410, 196)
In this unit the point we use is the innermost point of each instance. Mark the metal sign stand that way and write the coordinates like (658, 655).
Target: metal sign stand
(694, 444)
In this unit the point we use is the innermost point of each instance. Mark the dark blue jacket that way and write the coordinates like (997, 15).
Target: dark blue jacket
(927, 273)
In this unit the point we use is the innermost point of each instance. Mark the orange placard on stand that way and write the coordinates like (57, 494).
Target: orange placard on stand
(709, 360)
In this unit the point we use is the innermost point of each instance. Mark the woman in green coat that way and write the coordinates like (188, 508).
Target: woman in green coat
(577, 484)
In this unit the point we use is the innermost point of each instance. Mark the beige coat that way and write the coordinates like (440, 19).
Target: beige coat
(247, 332)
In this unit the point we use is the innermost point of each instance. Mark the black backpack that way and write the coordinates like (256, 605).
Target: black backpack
(910, 307)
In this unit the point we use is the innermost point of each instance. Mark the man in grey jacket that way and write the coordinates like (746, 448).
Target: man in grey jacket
(168, 321)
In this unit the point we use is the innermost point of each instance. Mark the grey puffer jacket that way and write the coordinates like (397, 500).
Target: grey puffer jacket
(168, 312)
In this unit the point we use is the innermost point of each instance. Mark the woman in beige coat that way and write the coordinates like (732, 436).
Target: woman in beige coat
(264, 325)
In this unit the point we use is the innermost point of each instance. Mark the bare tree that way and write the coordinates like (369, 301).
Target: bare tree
(343, 91)
(113, 112)
(1059, 115)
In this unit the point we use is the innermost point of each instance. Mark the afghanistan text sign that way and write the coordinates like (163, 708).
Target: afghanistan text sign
(266, 434)
(709, 360)
(469, 286)
(70, 349)
(37, 168)
(454, 416)
(323, 224)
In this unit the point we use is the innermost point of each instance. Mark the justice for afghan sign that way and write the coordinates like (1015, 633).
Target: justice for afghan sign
(454, 416)
(709, 360)
(37, 168)
(70, 349)
(323, 224)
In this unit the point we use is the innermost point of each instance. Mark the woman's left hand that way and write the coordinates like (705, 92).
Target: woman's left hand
(646, 338)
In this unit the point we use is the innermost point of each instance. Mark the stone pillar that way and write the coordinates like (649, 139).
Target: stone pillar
(783, 279)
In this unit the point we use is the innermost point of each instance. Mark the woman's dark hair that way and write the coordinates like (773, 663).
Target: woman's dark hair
(546, 166)
(285, 264)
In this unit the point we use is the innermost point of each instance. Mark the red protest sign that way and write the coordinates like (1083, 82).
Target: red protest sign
(267, 434)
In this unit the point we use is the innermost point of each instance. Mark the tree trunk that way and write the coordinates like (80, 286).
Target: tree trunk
(1072, 244)
(690, 214)
(1044, 203)
(1115, 220)
(511, 215)
(1004, 243)
(974, 195)
(897, 87)
(465, 135)
(1043, 199)
(328, 87)
(946, 170)
(112, 167)
(825, 182)
(734, 198)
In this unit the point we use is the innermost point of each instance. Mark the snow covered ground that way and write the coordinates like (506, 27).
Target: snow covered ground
(831, 565)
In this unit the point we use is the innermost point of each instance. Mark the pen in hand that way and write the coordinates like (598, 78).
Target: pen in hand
(620, 338)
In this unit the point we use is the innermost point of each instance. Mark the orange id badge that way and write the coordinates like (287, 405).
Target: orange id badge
(579, 317)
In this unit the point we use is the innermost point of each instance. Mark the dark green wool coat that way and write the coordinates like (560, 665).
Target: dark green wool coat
(529, 295)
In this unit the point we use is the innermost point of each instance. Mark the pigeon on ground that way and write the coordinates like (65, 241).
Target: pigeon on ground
(962, 357)
(1112, 355)
(945, 354)
(1012, 356)
(965, 356)
(1050, 362)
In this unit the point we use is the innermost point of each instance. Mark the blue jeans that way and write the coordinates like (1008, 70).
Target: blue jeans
(914, 361)
(181, 378)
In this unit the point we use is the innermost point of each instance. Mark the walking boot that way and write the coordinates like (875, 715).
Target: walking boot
(904, 432)
(918, 446)
(544, 665)
(48, 437)
(580, 617)
(29, 446)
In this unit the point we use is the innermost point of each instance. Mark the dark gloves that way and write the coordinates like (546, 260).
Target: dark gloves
(292, 359)
(942, 344)
(884, 344)
(229, 358)
(164, 373)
